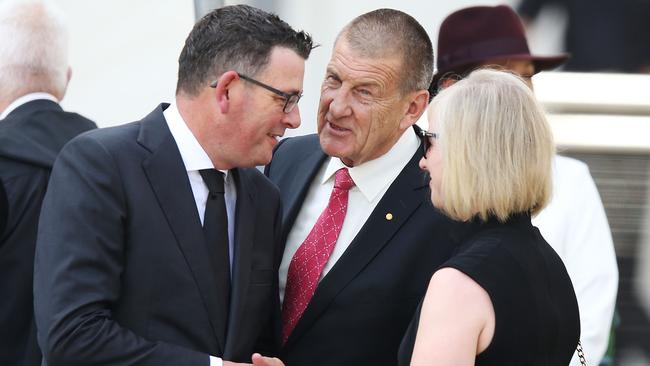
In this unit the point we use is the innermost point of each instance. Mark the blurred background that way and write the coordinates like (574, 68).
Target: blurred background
(124, 59)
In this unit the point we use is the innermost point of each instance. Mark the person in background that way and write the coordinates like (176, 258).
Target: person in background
(574, 222)
(505, 297)
(601, 35)
(34, 75)
(158, 242)
(361, 241)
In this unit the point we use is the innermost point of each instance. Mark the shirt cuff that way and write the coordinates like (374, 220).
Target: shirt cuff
(215, 361)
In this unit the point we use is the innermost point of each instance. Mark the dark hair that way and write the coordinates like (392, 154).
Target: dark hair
(457, 73)
(238, 37)
(385, 32)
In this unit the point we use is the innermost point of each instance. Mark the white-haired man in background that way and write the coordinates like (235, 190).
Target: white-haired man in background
(34, 75)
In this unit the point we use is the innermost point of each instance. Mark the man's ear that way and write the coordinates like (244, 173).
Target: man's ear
(417, 105)
(223, 89)
(68, 76)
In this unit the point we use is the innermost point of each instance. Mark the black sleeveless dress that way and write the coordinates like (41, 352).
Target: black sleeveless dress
(535, 307)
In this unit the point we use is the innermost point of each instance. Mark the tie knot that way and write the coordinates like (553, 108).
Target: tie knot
(343, 180)
(213, 179)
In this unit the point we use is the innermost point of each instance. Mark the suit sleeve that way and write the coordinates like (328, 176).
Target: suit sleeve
(79, 261)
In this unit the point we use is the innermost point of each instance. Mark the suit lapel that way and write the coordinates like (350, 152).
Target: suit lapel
(177, 203)
(298, 186)
(401, 200)
(244, 222)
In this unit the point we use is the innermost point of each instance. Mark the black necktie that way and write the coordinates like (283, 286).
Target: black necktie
(215, 228)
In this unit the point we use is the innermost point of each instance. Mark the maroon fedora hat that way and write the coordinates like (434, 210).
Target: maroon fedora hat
(480, 33)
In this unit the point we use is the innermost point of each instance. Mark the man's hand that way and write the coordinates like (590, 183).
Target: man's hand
(259, 360)
(229, 363)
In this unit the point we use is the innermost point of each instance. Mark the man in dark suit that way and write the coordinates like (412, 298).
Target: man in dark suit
(156, 246)
(33, 129)
(357, 262)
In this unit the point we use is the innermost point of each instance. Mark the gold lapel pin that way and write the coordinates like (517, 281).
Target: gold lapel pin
(389, 216)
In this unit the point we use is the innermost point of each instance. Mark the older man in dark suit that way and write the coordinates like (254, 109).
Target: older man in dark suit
(361, 239)
(34, 74)
(157, 246)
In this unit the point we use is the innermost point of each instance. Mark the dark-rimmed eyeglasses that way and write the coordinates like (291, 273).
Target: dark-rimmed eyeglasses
(290, 99)
(427, 140)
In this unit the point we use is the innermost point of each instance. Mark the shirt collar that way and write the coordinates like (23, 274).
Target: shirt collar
(374, 176)
(192, 153)
(26, 99)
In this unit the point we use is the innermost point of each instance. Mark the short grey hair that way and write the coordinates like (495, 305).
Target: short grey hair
(388, 32)
(33, 49)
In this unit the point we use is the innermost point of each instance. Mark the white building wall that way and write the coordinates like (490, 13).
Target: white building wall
(124, 55)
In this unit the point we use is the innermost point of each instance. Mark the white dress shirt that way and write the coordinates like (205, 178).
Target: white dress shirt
(195, 159)
(575, 225)
(372, 179)
(26, 99)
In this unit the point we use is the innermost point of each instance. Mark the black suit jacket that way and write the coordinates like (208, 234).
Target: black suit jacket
(30, 138)
(362, 307)
(123, 275)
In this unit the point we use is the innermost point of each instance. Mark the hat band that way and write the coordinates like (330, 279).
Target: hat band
(503, 47)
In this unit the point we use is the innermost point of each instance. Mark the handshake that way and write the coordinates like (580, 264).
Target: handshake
(258, 360)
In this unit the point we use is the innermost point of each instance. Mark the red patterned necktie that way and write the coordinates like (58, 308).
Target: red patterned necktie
(309, 260)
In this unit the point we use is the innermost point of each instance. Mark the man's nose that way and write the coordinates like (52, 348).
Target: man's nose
(292, 119)
(340, 105)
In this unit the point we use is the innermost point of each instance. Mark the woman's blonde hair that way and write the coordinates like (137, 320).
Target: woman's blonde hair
(496, 145)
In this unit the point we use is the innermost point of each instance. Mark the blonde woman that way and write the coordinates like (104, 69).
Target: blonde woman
(505, 298)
